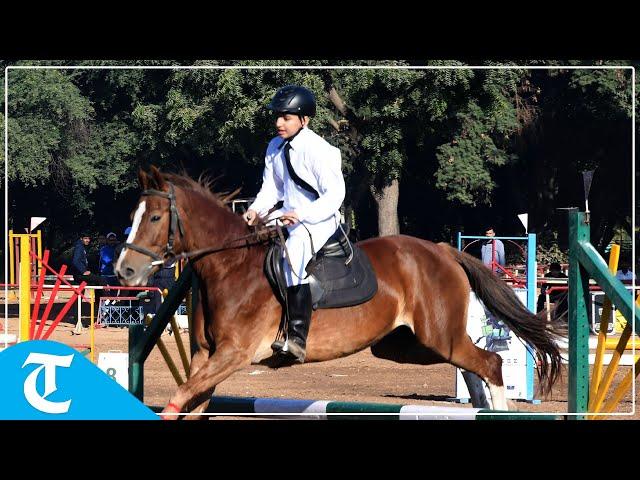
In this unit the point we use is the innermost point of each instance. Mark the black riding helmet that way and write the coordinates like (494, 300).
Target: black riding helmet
(293, 99)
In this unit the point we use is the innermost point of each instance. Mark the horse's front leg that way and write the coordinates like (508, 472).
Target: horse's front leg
(201, 355)
(228, 358)
(197, 362)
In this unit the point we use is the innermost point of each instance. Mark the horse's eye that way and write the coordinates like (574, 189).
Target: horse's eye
(155, 218)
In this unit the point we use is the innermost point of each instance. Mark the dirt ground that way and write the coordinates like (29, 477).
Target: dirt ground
(360, 377)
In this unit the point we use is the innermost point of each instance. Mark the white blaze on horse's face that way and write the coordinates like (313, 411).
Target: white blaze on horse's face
(137, 218)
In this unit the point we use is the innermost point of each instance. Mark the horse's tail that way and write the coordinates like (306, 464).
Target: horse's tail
(501, 301)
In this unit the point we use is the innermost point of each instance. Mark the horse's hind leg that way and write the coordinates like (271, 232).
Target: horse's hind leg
(487, 365)
(402, 346)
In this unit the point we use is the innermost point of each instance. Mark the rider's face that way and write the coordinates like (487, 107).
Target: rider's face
(288, 124)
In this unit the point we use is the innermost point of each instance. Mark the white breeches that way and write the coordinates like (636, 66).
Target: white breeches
(299, 248)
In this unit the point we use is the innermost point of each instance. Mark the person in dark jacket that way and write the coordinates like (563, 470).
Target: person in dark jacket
(80, 267)
(80, 263)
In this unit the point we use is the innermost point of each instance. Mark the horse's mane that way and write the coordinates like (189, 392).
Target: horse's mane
(203, 186)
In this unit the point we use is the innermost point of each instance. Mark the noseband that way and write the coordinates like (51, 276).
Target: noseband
(175, 224)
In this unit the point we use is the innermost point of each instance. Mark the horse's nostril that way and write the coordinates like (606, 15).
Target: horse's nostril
(129, 272)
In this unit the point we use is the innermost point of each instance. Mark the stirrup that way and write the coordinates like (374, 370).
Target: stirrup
(293, 353)
(285, 358)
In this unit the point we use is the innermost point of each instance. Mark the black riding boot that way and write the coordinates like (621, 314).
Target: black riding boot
(299, 310)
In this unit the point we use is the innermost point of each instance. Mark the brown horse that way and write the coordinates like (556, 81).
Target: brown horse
(422, 287)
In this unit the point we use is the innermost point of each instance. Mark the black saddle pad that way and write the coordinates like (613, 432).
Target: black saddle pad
(333, 282)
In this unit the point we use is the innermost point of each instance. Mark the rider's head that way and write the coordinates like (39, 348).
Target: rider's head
(292, 105)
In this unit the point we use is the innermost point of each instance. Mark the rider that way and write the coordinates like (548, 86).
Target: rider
(304, 171)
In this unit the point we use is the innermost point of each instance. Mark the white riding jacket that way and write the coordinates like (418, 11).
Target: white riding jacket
(320, 165)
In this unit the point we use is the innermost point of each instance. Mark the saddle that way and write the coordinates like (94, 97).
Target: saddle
(340, 275)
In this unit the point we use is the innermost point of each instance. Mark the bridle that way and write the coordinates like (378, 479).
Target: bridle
(175, 226)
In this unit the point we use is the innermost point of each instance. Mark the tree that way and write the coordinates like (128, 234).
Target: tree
(373, 107)
(581, 123)
(425, 152)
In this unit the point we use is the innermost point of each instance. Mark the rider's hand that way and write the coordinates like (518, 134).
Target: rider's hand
(289, 218)
(251, 217)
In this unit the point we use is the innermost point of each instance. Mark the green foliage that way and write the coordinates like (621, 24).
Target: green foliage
(549, 251)
(56, 142)
(382, 101)
(48, 125)
(458, 134)
(464, 164)
(483, 126)
(607, 93)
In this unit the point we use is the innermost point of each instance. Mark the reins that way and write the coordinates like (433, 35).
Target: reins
(175, 226)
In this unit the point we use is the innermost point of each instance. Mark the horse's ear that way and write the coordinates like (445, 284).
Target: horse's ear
(143, 178)
(157, 176)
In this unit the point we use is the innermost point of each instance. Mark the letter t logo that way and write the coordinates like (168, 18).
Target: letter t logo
(49, 364)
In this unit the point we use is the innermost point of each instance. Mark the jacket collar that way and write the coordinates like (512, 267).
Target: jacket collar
(293, 139)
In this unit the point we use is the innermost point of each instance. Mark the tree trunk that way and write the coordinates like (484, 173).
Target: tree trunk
(387, 201)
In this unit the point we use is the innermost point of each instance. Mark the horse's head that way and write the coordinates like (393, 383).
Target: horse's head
(156, 233)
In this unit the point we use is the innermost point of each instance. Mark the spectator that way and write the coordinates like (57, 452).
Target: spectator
(492, 251)
(80, 262)
(557, 297)
(107, 255)
(80, 266)
(101, 241)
